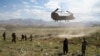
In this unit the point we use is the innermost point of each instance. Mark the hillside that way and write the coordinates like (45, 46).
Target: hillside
(37, 22)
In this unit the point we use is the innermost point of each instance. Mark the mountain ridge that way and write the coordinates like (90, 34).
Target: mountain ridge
(39, 22)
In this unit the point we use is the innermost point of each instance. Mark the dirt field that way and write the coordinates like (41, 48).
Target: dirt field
(48, 41)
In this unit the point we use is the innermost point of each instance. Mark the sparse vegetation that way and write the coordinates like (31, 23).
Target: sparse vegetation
(46, 42)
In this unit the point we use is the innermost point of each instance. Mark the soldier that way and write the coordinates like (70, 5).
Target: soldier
(4, 36)
(22, 37)
(25, 37)
(31, 37)
(84, 43)
(65, 46)
(14, 37)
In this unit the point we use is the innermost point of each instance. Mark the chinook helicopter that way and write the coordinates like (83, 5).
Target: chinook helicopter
(56, 17)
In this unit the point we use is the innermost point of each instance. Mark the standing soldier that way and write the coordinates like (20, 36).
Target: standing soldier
(25, 37)
(31, 37)
(84, 43)
(22, 37)
(65, 46)
(14, 37)
(4, 36)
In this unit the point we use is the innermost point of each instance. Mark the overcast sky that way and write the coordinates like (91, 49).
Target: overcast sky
(83, 10)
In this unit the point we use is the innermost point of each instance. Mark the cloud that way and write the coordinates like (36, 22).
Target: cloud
(27, 13)
(82, 9)
(26, 10)
(39, 14)
(52, 4)
(33, 0)
(24, 2)
(10, 15)
(39, 7)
